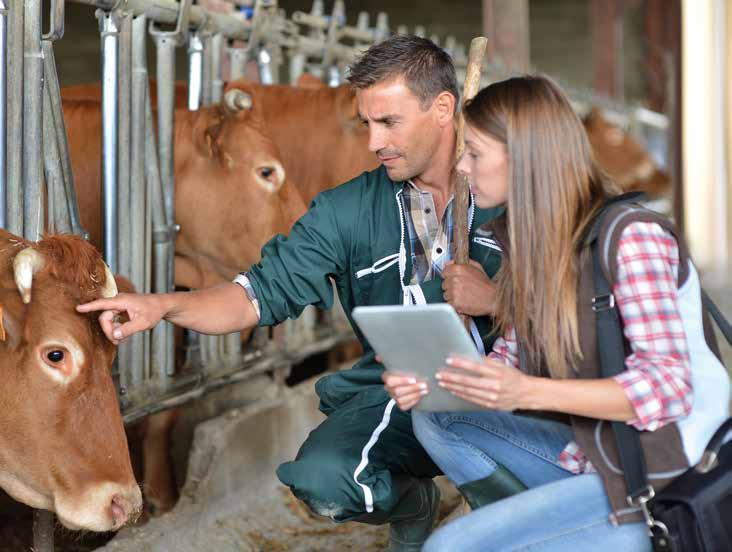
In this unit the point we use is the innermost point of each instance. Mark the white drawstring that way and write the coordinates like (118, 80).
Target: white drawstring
(379, 266)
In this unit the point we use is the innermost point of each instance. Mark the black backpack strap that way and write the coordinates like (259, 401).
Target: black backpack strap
(611, 348)
(718, 317)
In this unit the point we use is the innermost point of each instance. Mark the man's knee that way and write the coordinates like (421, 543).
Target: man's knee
(321, 479)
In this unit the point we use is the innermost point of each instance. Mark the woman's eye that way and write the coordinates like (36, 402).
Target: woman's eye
(55, 356)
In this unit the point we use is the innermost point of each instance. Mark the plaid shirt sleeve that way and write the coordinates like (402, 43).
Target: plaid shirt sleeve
(657, 379)
(505, 349)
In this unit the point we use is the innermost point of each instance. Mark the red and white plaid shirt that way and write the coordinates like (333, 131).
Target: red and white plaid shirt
(657, 379)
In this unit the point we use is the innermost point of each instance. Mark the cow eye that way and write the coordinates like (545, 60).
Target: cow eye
(266, 172)
(55, 356)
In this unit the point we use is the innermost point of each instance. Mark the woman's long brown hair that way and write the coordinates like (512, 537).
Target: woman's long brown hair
(554, 189)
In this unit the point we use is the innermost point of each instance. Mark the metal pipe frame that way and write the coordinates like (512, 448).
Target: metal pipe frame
(217, 82)
(3, 109)
(162, 237)
(166, 11)
(56, 118)
(138, 207)
(207, 75)
(195, 71)
(109, 29)
(124, 135)
(33, 212)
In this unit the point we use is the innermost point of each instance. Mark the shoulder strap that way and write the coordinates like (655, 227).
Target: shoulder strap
(611, 349)
(612, 362)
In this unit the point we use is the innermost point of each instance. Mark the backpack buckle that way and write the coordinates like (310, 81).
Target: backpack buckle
(603, 302)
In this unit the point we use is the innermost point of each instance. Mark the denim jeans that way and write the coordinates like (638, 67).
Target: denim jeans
(559, 512)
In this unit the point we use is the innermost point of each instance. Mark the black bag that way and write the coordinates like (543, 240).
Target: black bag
(694, 512)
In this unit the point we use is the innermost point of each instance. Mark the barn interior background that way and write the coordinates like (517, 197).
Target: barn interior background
(659, 68)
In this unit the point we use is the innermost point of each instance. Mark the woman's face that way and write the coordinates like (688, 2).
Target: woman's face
(485, 163)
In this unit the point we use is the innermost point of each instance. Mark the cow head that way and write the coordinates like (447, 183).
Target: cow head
(315, 128)
(62, 442)
(624, 159)
(232, 190)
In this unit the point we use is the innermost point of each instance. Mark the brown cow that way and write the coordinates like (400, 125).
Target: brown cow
(623, 159)
(231, 193)
(62, 442)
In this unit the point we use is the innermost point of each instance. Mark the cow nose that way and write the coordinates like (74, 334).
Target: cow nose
(126, 507)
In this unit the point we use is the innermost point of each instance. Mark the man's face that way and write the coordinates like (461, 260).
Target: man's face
(402, 134)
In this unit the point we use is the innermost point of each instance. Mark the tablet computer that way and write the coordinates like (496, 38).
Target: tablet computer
(416, 341)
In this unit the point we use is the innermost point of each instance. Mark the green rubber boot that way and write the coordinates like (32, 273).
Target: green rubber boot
(413, 517)
(500, 484)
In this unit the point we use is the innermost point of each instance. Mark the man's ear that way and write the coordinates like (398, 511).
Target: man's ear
(346, 105)
(444, 106)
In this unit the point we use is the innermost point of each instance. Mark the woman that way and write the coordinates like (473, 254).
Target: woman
(545, 406)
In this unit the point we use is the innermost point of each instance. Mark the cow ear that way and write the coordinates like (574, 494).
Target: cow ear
(346, 105)
(207, 132)
(10, 327)
(308, 80)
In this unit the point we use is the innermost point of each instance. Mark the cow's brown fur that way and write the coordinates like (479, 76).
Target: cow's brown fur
(61, 440)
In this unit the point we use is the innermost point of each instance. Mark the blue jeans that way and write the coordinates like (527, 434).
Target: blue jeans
(560, 511)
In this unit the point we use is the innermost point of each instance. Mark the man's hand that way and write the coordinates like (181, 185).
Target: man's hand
(405, 390)
(143, 311)
(468, 289)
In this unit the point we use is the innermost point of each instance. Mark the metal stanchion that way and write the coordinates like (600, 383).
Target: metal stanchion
(195, 71)
(3, 108)
(217, 83)
(33, 212)
(109, 28)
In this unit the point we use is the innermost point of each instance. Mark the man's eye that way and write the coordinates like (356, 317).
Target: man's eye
(364, 123)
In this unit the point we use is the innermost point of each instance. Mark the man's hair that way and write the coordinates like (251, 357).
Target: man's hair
(426, 68)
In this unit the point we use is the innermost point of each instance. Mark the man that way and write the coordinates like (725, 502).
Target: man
(385, 237)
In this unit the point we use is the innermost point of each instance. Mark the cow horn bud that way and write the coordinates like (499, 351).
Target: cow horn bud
(237, 100)
(109, 289)
(25, 265)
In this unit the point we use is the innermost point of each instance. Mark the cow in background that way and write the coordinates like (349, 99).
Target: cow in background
(627, 162)
(62, 443)
(232, 192)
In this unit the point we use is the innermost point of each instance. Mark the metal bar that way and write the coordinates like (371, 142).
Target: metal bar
(56, 21)
(264, 64)
(217, 81)
(237, 63)
(195, 70)
(137, 188)
(43, 523)
(109, 28)
(206, 71)
(14, 151)
(57, 116)
(33, 212)
(166, 11)
(162, 245)
(3, 109)
(124, 134)
(59, 218)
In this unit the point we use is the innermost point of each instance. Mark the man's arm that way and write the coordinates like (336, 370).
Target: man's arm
(218, 310)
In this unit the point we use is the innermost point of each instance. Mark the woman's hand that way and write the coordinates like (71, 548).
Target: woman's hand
(468, 289)
(407, 391)
(490, 384)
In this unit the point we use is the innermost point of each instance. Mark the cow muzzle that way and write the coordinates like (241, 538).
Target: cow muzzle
(104, 507)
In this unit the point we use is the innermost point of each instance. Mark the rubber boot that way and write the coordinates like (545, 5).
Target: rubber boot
(413, 517)
(500, 484)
